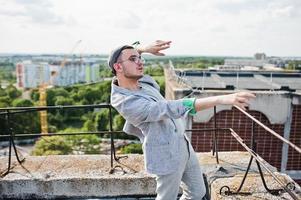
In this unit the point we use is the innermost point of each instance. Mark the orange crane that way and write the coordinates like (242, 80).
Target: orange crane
(42, 91)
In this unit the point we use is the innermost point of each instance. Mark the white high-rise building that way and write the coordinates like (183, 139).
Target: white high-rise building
(31, 75)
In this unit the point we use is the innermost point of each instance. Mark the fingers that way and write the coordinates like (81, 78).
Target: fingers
(246, 95)
(242, 105)
(156, 47)
(159, 54)
(242, 99)
(164, 47)
(162, 43)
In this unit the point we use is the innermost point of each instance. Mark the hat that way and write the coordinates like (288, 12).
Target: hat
(115, 55)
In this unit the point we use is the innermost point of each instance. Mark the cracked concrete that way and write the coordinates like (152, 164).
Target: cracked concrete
(87, 176)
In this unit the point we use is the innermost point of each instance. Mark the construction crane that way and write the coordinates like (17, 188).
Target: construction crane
(43, 87)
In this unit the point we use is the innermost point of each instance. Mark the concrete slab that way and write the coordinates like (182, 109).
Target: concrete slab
(87, 176)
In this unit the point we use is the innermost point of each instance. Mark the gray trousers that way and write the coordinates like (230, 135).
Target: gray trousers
(189, 176)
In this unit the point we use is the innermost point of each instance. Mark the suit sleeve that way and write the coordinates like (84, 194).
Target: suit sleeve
(138, 110)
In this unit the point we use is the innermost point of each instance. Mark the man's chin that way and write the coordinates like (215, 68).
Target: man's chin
(139, 76)
(136, 77)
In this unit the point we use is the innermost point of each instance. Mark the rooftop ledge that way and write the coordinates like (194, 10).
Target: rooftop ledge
(87, 176)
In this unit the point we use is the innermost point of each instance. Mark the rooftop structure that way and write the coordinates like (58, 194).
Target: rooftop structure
(277, 105)
(235, 80)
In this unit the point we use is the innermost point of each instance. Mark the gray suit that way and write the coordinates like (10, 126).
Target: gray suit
(159, 125)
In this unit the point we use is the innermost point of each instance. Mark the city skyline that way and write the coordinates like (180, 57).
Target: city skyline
(212, 28)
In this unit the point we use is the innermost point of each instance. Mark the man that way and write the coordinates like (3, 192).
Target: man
(159, 123)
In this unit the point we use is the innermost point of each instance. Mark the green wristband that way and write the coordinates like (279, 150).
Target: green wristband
(189, 103)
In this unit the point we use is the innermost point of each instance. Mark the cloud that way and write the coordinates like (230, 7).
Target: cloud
(128, 20)
(43, 15)
(33, 2)
(237, 6)
(40, 12)
(223, 27)
(275, 8)
(11, 13)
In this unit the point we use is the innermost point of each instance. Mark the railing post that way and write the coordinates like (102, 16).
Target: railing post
(212, 136)
(112, 137)
(113, 151)
(8, 130)
(253, 141)
(215, 149)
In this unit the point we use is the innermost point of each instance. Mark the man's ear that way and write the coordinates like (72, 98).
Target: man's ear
(117, 67)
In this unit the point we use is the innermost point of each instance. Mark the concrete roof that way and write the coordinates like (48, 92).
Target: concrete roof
(87, 176)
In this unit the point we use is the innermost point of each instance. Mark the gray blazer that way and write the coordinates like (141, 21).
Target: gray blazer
(157, 122)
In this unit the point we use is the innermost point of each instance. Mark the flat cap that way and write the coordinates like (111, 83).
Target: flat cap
(115, 55)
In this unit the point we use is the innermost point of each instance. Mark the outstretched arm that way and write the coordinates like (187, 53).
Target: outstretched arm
(240, 99)
(155, 48)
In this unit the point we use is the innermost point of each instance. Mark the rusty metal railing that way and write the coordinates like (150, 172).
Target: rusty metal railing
(225, 190)
(10, 136)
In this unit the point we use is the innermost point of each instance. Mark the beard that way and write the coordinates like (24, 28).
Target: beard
(132, 76)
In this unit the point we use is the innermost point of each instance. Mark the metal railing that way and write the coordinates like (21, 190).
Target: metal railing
(225, 190)
(10, 136)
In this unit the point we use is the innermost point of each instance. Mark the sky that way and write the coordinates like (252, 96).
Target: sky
(195, 27)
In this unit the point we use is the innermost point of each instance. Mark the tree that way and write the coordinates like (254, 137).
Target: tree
(105, 90)
(63, 101)
(53, 145)
(2, 126)
(22, 103)
(60, 91)
(83, 144)
(70, 144)
(294, 65)
(12, 92)
(3, 104)
(91, 95)
(50, 97)
(5, 101)
(75, 96)
(79, 94)
(105, 73)
(102, 120)
(35, 95)
(53, 94)
(2, 92)
(89, 126)
(154, 71)
(118, 123)
(161, 83)
(25, 122)
(132, 148)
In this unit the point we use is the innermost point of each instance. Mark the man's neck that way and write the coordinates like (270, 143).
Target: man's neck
(130, 84)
